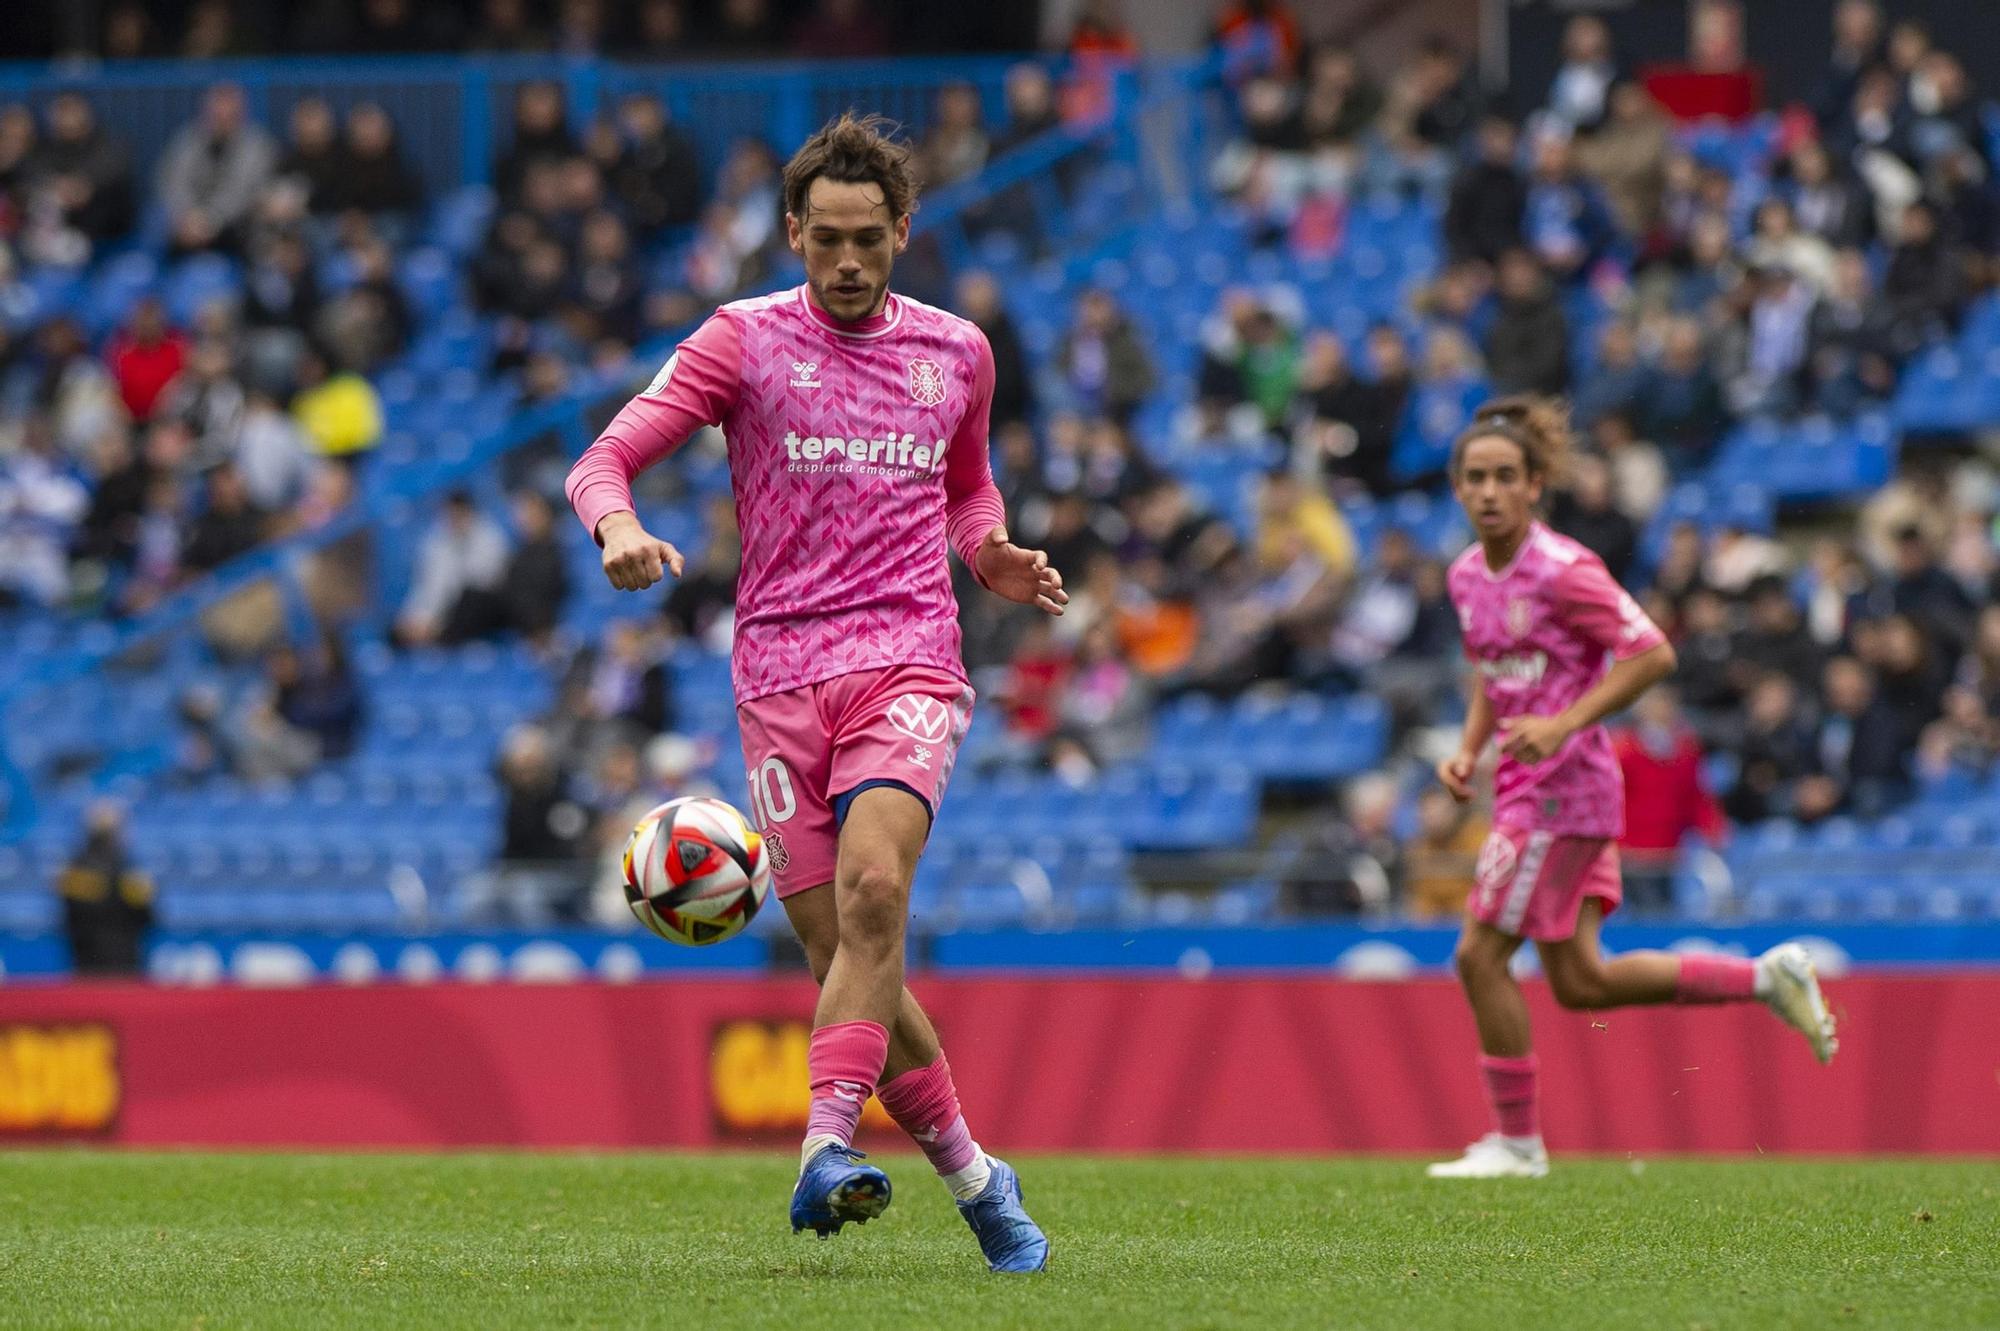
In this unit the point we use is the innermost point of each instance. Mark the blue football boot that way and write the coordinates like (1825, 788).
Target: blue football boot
(835, 1188)
(1011, 1241)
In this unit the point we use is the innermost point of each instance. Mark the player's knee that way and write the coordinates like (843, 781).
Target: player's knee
(1579, 989)
(819, 959)
(873, 905)
(1472, 962)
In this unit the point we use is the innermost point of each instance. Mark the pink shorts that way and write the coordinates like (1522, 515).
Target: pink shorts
(1532, 884)
(807, 747)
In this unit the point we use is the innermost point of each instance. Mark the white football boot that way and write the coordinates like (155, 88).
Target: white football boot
(1789, 987)
(1495, 1156)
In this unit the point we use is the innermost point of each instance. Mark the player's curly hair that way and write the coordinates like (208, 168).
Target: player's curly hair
(855, 150)
(1538, 426)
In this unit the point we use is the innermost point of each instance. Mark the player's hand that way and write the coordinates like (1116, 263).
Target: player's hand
(633, 558)
(1530, 739)
(1455, 775)
(1020, 575)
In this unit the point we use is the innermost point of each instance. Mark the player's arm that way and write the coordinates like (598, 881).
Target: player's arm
(975, 521)
(696, 387)
(1594, 605)
(1455, 772)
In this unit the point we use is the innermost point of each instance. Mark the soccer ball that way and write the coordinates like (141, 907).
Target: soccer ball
(695, 871)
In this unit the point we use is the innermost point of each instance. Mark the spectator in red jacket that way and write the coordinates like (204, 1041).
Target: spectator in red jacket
(144, 357)
(1666, 797)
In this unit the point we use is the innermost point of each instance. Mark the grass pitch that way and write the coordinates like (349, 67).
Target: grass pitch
(93, 1239)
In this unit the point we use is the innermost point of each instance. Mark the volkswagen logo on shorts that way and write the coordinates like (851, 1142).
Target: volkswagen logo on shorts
(923, 719)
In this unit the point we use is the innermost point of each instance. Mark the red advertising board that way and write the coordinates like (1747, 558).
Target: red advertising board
(1269, 1064)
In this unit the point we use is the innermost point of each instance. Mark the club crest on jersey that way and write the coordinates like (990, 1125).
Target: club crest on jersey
(805, 374)
(775, 852)
(1497, 859)
(924, 720)
(926, 381)
(1520, 616)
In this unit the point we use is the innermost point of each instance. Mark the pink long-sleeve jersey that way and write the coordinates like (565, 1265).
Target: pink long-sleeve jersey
(857, 453)
(1541, 633)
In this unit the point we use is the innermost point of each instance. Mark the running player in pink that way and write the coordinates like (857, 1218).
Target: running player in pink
(856, 422)
(1556, 646)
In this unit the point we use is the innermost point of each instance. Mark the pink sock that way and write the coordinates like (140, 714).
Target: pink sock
(1510, 1085)
(843, 1062)
(1706, 978)
(924, 1104)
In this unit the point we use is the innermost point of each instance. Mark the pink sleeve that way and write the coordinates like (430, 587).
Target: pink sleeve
(1592, 602)
(972, 506)
(696, 387)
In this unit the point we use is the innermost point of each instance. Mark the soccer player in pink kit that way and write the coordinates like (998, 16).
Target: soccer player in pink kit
(856, 422)
(1556, 646)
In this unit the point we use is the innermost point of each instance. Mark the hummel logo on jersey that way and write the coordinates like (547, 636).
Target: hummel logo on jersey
(891, 453)
(921, 757)
(922, 719)
(805, 374)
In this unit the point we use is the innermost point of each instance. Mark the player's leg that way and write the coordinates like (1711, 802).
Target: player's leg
(913, 1041)
(1782, 978)
(1506, 1060)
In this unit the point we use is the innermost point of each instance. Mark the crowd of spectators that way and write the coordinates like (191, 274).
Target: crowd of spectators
(1583, 250)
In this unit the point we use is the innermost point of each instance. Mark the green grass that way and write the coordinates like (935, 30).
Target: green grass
(103, 1239)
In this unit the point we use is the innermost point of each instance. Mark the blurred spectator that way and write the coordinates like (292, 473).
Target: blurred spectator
(456, 587)
(741, 28)
(1862, 748)
(1586, 511)
(1777, 242)
(1681, 408)
(397, 27)
(1567, 223)
(81, 188)
(1105, 700)
(1442, 93)
(1666, 798)
(41, 505)
(536, 582)
(1338, 102)
(1013, 390)
(339, 410)
(580, 27)
(542, 834)
(1616, 380)
(1031, 693)
(1925, 284)
(1257, 37)
(840, 29)
(1345, 866)
(1774, 750)
(540, 137)
(1250, 358)
(75, 393)
(264, 748)
(1103, 360)
(607, 283)
(270, 452)
(207, 398)
(657, 178)
(1350, 425)
(1775, 639)
(228, 524)
(1850, 346)
(107, 899)
(145, 356)
(1638, 472)
(313, 161)
(702, 605)
(1857, 47)
(1828, 202)
(955, 146)
(1379, 615)
(280, 301)
(314, 691)
(373, 177)
(213, 171)
(1527, 347)
(1489, 197)
(1767, 346)
(1438, 862)
(118, 481)
(1928, 596)
(1580, 93)
(506, 27)
(1627, 157)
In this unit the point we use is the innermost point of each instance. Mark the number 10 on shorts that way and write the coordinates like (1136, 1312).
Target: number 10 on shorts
(771, 797)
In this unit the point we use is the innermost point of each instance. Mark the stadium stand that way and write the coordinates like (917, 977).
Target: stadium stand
(1236, 381)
